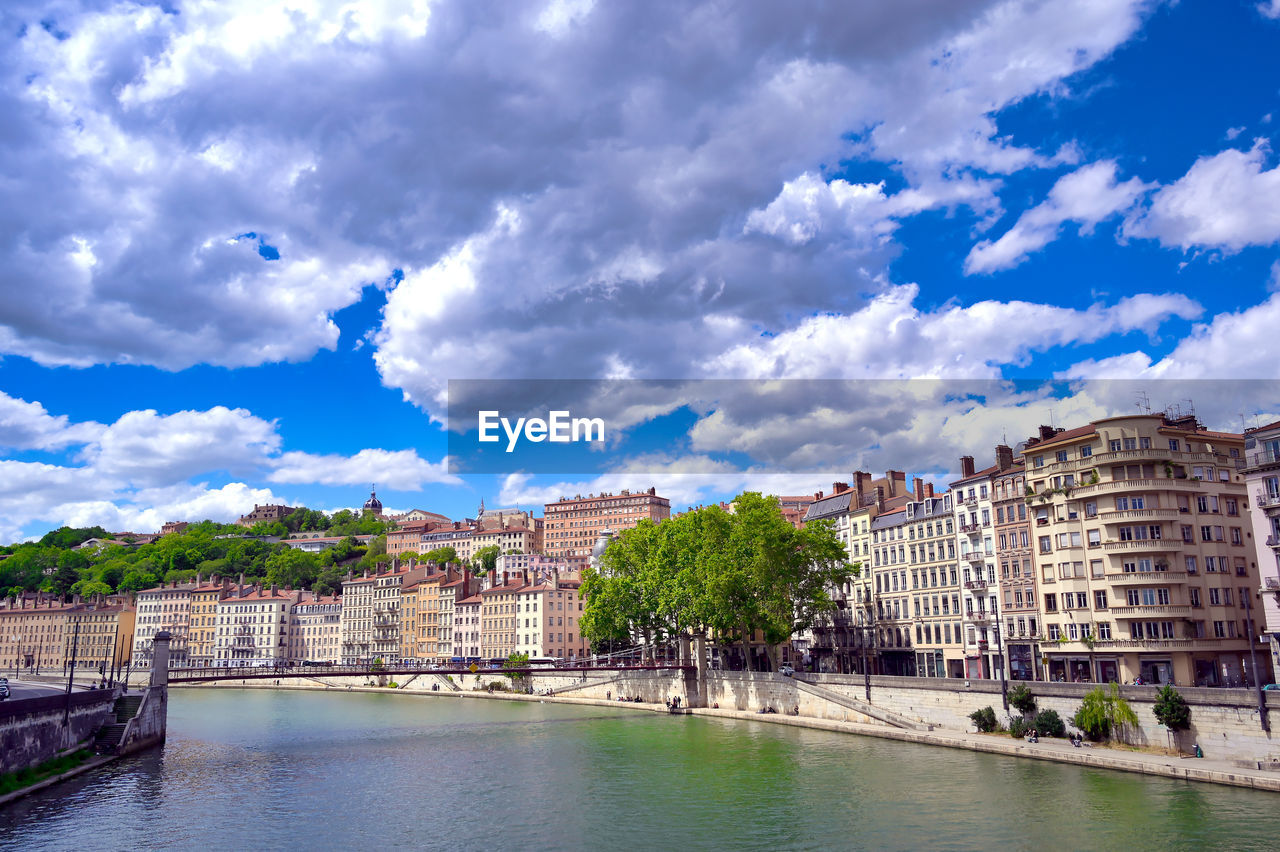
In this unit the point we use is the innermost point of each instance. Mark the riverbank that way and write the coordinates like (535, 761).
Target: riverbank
(1206, 770)
(93, 762)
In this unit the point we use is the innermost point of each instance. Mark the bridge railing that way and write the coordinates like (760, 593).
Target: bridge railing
(192, 675)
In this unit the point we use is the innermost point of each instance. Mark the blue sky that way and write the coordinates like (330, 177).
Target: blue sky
(246, 245)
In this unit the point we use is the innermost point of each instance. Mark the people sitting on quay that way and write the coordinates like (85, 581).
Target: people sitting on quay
(1033, 736)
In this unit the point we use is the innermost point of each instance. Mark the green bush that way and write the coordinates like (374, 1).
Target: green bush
(1021, 698)
(1171, 709)
(1049, 724)
(1018, 727)
(985, 719)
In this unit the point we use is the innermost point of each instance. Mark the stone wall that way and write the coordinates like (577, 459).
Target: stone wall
(31, 730)
(147, 728)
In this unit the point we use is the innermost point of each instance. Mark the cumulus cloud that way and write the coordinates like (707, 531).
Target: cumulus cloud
(1226, 202)
(28, 426)
(401, 470)
(1086, 196)
(1270, 9)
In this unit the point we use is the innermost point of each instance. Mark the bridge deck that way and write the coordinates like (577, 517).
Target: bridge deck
(273, 673)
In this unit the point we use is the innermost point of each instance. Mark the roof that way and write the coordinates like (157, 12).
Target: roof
(473, 599)
(985, 473)
(1256, 429)
(826, 507)
(1062, 437)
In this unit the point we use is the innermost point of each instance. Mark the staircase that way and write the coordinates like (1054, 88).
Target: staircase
(891, 719)
(108, 739)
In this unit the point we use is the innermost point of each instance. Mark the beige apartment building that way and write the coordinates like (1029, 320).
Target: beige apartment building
(356, 622)
(916, 589)
(1262, 481)
(386, 609)
(972, 499)
(451, 591)
(315, 629)
(572, 526)
(203, 628)
(33, 634)
(512, 539)
(1141, 539)
(466, 627)
(548, 620)
(498, 604)
(102, 642)
(253, 628)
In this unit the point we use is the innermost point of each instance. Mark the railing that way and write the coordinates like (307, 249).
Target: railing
(1139, 514)
(1152, 609)
(1148, 577)
(975, 556)
(1159, 544)
(975, 584)
(1265, 499)
(970, 529)
(1261, 457)
(1164, 484)
(1273, 541)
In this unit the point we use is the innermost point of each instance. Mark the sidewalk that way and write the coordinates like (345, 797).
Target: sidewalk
(1190, 769)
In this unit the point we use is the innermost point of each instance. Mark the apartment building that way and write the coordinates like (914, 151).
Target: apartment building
(498, 609)
(507, 539)
(163, 608)
(385, 612)
(98, 633)
(548, 619)
(451, 591)
(1262, 483)
(572, 526)
(1141, 536)
(1019, 600)
(356, 620)
(32, 633)
(203, 626)
(315, 629)
(253, 627)
(975, 547)
(466, 627)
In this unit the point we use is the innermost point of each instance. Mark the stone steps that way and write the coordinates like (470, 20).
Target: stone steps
(879, 713)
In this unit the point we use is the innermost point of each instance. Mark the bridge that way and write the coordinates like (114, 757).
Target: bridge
(203, 675)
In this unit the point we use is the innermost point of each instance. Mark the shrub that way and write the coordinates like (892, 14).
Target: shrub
(1103, 712)
(1171, 709)
(1018, 727)
(985, 719)
(1050, 724)
(1022, 699)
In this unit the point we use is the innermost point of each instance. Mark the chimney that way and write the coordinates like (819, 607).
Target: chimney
(966, 466)
(836, 488)
(1047, 432)
(274, 589)
(917, 488)
(493, 577)
(1004, 457)
(879, 498)
(928, 489)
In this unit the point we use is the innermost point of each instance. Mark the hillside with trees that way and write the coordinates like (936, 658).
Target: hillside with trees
(54, 565)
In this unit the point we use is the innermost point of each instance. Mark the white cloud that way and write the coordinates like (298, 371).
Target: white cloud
(1086, 196)
(1270, 9)
(1227, 202)
(28, 426)
(401, 470)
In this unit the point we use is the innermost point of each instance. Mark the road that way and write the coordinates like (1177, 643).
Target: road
(19, 690)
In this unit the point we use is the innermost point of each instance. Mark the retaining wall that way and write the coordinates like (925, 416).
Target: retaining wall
(31, 730)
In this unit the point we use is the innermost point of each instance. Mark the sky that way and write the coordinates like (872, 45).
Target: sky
(245, 246)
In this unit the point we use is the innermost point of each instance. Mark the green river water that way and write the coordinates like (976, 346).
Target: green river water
(257, 769)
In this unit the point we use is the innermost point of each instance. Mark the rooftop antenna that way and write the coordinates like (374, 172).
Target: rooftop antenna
(1144, 402)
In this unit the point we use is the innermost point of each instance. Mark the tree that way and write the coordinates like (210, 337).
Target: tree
(1104, 712)
(984, 719)
(486, 559)
(1022, 700)
(515, 661)
(441, 555)
(1171, 710)
(292, 568)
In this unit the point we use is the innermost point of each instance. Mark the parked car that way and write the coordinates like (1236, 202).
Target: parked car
(786, 671)
(4, 688)
(1275, 686)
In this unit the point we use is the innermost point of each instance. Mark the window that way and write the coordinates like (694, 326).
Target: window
(1191, 565)
(1113, 446)
(1062, 455)
(1086, 451)
(1046, 544)
(1173, 444)
(1054, 633)
(1131, 443)
(1096, 567)
(1215, 597)
(1100, 599)
(1104, 629)
(1051, 603)
(1038, 461)
(1193, 596)
(1095, 538)
(1091, 510)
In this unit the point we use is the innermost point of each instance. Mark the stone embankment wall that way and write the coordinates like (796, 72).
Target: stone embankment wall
(1224, 722)
(31, 730)
(147, 728)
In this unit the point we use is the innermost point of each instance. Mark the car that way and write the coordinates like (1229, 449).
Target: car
(4, 688)
(786, 671)
(1275, 686)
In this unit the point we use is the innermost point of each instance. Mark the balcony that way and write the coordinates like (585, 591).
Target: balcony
(1273, 541)
(1148, 545)
(978, 617)
(1150, 611)
(1139, 515)
(1266, 500)
(1160, 484)
(1146, 644)
(975, 556)
(970, 529)
(975, 584)
(1261, 458)
(1148, 577)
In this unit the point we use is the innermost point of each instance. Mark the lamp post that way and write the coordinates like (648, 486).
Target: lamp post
(1253, 660)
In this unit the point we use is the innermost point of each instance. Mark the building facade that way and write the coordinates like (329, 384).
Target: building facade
(572, 526)
(315, 629)
(163, 608)
(1262, 483)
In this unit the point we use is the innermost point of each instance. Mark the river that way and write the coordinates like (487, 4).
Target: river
(258, 769)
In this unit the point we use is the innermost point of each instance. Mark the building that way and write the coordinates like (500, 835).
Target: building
(509, 539)
(253, 628)
(387, 585)
(1262, 482)
(33, 633)
(202, 631)
(407, 536)
(372, 506)
(1141, 536)
(421, 515)
(1019, 600)
(976, 548)
(315, 629)
(451, 591)
(572, 526)
(315, 541)
(356, 622)
(173, 527)
(466, 627)
(163, 608)
(104, 636)
(916, 613)
(839, 645)
(548, 619)
(498, 611)
(265, 514)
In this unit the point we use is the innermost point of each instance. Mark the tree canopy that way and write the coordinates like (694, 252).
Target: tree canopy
(730, 573)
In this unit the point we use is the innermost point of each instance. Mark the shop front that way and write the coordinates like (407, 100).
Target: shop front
(1022, 662)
